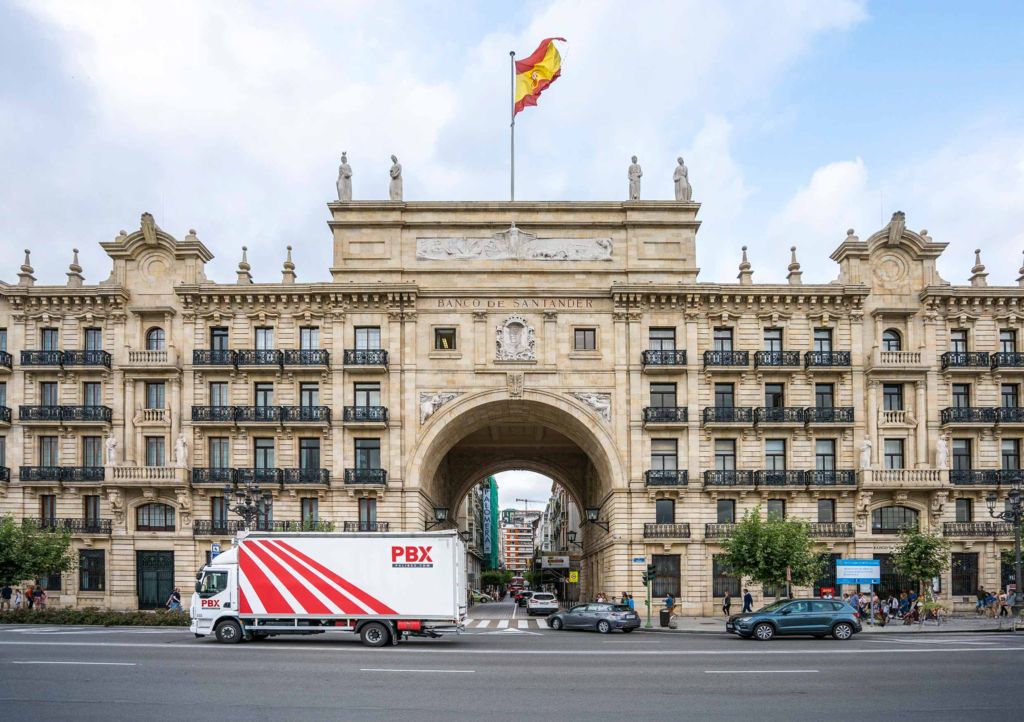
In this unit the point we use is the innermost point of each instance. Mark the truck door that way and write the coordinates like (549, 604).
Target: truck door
(215, 593)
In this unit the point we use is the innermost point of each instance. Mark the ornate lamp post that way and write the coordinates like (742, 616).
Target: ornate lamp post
(1013, 513)
(250, 503)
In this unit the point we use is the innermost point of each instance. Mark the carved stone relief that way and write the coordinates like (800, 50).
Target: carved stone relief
(599, 402)
(430, 402)
(515, 383)
(516, 245)
(515, 340)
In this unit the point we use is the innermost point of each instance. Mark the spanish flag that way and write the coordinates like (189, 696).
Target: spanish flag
(537, 72)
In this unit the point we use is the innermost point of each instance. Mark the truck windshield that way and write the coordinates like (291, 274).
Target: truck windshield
(213, 583)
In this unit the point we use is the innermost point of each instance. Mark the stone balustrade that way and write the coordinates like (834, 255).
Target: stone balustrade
(903, 478)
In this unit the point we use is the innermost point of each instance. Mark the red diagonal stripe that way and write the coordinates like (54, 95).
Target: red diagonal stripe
(345, 604)
(310, 603)
(243, 603)
(270, 598)
(373, 604)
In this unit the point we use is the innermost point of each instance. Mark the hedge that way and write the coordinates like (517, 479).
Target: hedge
(92, 615)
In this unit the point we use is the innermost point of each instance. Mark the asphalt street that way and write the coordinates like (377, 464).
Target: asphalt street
(85, 673)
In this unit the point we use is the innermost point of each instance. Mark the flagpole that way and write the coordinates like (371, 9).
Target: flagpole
(512, 146)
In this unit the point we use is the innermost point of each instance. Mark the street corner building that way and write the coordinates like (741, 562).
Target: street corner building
(455, 340)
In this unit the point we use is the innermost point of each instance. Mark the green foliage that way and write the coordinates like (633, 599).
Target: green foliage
(495, 578)
(28, 552)
(921, 556)
(761, 550)
(91, 615)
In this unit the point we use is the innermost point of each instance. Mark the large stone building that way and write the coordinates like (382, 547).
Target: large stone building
(456, 340)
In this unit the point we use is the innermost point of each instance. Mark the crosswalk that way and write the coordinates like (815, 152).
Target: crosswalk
(498, 624)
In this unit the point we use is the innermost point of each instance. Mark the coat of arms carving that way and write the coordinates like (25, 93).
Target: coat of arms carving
(515, 340)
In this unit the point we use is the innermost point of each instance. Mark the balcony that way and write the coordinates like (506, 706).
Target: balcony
(61, 473)
(307, 414)
(728, 415)
(827, 359)
(964, 360)
(42, 358)
(213, 475)
(40, 473)
(257, 475)
(974, 477)
(373, 477)
(835, 477)
(829, 415)
(5, 414)
(726, 358)
(213, 414)
(230, 527)
(259, 414)
(831, 529)
(1010, 476)
(39, 413)
(217, 527)
(92, 357)
(779, 415)
(367, 526)
(5, 473)
(307, 357)
(6, 360)
(1007, 360)
(165, 358)
(365, 415)
(147, 474)
(977, 528)
(894, 417)
(77, 527)
(903, 478)
(667, 359)
(666, 477)
(65, 414)
(776, 358)
(779, 477)
(718, 531)
(307, 476)
(259, 357)
(368, 359)
(968, 415)
(665, 415)
(1010, 415)
(732, 477)
(213, 357)
(666, 531)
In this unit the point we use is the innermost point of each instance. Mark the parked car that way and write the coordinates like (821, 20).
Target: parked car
(814, 617)
(541, 603)
(523, 596)
(602, 616)
(479, 597)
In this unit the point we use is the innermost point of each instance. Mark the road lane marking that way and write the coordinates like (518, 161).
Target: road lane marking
(423, 671)
(524, 623)
(502, 624)
(104, 664)
(483, 623)
(760, 671)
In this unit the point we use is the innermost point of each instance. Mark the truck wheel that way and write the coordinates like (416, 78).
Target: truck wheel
(374, 634)
(229, 632)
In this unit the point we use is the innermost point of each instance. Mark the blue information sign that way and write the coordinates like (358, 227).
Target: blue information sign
(858, 571)
(639, 560)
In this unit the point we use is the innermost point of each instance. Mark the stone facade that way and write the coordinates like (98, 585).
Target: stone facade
(456, 340)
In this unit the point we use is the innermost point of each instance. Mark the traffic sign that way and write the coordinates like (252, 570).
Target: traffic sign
(214, 550)
(858, 571)
(574, 577)
(639, 560)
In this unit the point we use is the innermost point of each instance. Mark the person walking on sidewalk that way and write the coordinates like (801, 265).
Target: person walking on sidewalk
(748, 601)
(5, 598)
(726, 603)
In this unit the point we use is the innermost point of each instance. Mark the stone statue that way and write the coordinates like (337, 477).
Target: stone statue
(865, 454)
(344, 179)
(395, 187)
(181, 452)
(941, 454)
(635, 171)
(110, 445)
(148, 227)
(430, 403)
(681, 179)
(116, 504)
(896, 226)
(184, 499)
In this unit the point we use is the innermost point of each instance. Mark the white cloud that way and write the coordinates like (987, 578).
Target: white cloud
(515, 485)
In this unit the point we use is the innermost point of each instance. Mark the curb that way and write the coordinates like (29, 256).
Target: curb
(914, 629)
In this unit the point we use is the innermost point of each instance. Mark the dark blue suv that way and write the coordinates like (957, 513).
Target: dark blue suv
(814, 617)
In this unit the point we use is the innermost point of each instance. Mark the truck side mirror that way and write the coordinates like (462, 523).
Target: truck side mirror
(197, 586)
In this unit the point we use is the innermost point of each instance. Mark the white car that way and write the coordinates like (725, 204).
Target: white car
(541, 603)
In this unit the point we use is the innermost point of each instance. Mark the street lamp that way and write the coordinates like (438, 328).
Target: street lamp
(250, 503)
(440, 517)
(593, 512)
(1012, 513)
(571, 537)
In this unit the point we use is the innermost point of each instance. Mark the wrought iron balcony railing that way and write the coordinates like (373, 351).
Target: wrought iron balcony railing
(258, 357)
(230, 527)
(42, 358)
(61, 473)
(257, 475)
(213, 413)
(728, 415)
(100, 527)
(968, 477)
(666, 531)
(5, 473)
(828, 415)
(977, 528)
(673, 357)
(732, 477)
(666, 477)
(1010, 476)
(726, 358)
(776, 358)
(5, 414)
(307, 476)
(779, 415)
(1010, 415)
(366, 476)
(86, 413)
(307, 414)
(217, 527)
(718, 531)
(258, 414)
(834, 477)
(39, 473)
(365, 357)
(213, 475)
(968, 415)
(366, 414)
(1007, 359)
(831, 529)
(6, 360)
(827, 359)
(964, 359)
(39, 413)
(92, 357)
(779, 477)
(213, 357)
(351, 526)
(307, 357)
(665, 414)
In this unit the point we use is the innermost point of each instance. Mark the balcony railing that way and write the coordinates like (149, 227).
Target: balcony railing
(899, 358)
(831, 529)
(893, 416)
(779, 415)
(163, 357)
(39, 413)
(718, 531)
(42, 358)
(86, 413)
(6, 360)
(1010, 476)
(307, 476)
(829, 415)
(977, 528)
(366, 476)
(213, 357)
(968, 415)
(728, 415)
(1008, 359)
(100, 527)
(665, 414)
(732, 477)
(968, 477)
(365, 357)
(903, 478)
(307, 414)
(146, 473)
(230, 527)
(213, 413)
(826, 359)
(61, 473)
(964, 359)
(366, 414)
(1010, 415)
(307, 357)
(257, 475)
(259, 414)
(5, 473)
(671, 357)
(666, 531)
(213, 475)
(352, 526)
(778, 477)
(92, 357)
(259, 357)
(835, 477)
(40, 473)
(726, 358)
(776, 358)
(666, 477)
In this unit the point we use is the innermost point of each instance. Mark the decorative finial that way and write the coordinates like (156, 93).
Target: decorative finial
(745, 274)
(244, 276)
(74, 271)
(794, 276)
(25, 278)
(978, 270)
(288, 271)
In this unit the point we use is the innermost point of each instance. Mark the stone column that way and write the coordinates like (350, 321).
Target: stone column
(692, 398)
(921, 415)
(480, 338)
(873, 421)
(128, 437)
(550, 338)
(175, 410)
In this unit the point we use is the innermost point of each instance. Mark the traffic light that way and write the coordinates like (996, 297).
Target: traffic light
(650, 575)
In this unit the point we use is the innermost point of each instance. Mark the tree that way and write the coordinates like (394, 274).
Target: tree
(28, 551)
(495, 578)
(762, 550)
(922, 556)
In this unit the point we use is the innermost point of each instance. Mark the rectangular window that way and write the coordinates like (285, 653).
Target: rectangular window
(49, 339)
(958, 340)
(48, 393)
(309, 508)
(91, 508)
(367, 338)
(309, 453)
(220, 452)
(219, 393)
(3, 393)
(964, 573)
(309, 338)
(721, 581)
(823, 340)
(667, 579)
(584, 339)
(1007, 340)
(777, 509)
(724, 396)
(263, 453)
(892, 397)
(1009, 396)
(662, 339)
(367, 394)
(156, 395)
(964, 510)
(309, 394)
(826, 511)
(725, 454)
(775, 454)
(825, 454)
(773, 339)
(92, 451)
(663, 396)
(49, 452)
(367, 453)
(92, 393)
(48, 507)
(726, 511)
(3, 451)
(92, 570)
(1010, 452)
(774, 396)
(961, 395)
(894, 453)
(3, 339)
(367, 514)
(723, 339)
(219, 338)
(444, 339)
(93, 339)
(219, 512)
(155, 451)
(263, 393)
(961, 454)
(824, 396)
(665, 511)
(664, 454)
(264, 338)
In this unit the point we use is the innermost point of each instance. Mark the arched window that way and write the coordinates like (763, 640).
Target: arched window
(156, 340)
(154, 517)
(893, 519)
(891, 340)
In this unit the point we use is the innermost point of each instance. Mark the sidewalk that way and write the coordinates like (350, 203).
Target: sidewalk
(716, 625)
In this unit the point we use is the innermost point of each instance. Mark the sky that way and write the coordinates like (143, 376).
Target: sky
(798, 119)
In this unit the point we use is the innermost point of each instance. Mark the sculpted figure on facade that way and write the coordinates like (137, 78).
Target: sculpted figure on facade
(513, 244)
(634, 174)
(941, 454)
(865, 454)
(681, 181)
(515, 340)
(395, 186)
(148, 227)
(116, 505)
(110, 447)
(599, 402)
(431, 402)
(184, 499)
(344, 179)
(897, 225)
(181, 452)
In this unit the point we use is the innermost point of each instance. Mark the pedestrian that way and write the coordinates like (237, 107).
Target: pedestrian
(29, 601)
(670, 603)
(174, 601)
(600, 597)
(5, 597)
(980, 594)
(726, 603)
(17, 598)
(748, 601)
(630, 603)
(38, 598)
(625, 598)
(855, 601)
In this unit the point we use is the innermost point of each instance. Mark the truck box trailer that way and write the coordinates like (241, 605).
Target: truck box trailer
(381, 586)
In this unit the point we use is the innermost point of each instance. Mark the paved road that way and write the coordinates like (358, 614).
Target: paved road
(107, 675)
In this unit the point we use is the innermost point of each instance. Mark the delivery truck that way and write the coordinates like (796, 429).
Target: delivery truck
(383, 587)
